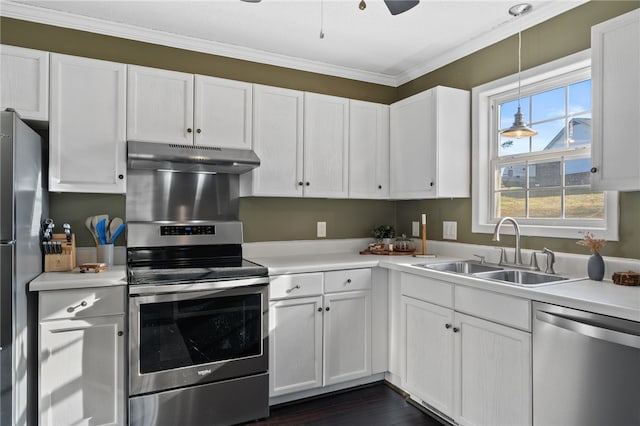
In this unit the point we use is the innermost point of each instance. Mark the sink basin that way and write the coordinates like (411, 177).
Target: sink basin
(460, 267)
(524, 278)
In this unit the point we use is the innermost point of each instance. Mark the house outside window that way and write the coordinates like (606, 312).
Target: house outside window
(543, 181)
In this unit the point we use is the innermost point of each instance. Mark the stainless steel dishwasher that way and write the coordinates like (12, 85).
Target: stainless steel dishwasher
(586, 368)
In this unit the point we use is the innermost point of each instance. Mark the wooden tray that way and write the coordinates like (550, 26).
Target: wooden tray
(389, 253)
(629, 278)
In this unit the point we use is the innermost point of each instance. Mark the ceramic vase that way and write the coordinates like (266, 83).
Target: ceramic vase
(595, 267)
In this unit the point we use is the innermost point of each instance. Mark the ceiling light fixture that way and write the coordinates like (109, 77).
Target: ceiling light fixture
(519, 128)
(362, 5)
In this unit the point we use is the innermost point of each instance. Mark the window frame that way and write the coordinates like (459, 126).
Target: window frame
(484, 126)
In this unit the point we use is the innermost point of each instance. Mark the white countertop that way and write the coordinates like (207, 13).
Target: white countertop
(602, 297)
(116, 275)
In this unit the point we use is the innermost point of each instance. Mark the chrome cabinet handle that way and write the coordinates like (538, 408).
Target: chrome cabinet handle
(327, 309)
(447, 326)
(189, 130)
(297, 286)
(456, 329)
(320, 309)
(71, 309)
(349, 281)
(199, 131)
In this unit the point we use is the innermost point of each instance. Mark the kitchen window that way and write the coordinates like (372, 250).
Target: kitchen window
(543, 181)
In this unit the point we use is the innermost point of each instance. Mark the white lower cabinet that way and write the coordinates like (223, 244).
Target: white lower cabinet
(81, 357)
(468, 369)
(320, 329)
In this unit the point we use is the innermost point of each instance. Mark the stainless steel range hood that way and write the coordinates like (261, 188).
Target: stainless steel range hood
(189, 158)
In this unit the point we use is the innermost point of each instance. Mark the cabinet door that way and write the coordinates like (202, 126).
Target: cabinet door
(159, 106)
(326, 146)
(277, 140)
(427, 340)
(222, 113)
(347, 336)
(615, 67)
(81, 376)
(494, 376)
(295, 345)
(24, 85)
(413, 157)
(368, 150)
(87, 151)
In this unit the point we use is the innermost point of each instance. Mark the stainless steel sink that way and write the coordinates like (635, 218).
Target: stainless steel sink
(524, 278)
(460, 267)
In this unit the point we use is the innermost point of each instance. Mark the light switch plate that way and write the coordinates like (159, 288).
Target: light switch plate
(322, 229)
(449, 230)
(415, 228)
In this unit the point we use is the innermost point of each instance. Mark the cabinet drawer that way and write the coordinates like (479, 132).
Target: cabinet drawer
(351, 279)
(81, 303)
(427, 289)
(295, 285)
(508, 310)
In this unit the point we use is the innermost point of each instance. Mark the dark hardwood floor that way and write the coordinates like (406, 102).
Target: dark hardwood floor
(374, 405)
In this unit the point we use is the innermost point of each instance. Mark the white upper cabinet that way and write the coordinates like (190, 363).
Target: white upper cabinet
(87, 130)
(368, 150)
(615, 71)
(326, 146)
(159, 106)
(174, 107)
(277, 140)
(222, 113)
(430, 145)
(24, 85)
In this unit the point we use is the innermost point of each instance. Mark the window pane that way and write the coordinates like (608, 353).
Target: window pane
(512, 177)
(580, 130)
(510, 203)
(548, 105)
(545, 203)
(508, 111)
(580, 97)
(550, 136)
(577, 172)
(582, 203)
(545, 174)
(512, 146)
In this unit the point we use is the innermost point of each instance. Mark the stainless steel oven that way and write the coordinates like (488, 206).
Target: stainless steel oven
(198, 311)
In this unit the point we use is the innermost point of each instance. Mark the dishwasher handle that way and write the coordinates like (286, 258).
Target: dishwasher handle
(580, 327)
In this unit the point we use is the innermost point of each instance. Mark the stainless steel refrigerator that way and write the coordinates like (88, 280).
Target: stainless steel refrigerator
(22, 201)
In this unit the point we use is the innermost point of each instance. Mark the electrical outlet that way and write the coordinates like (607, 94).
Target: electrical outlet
(415, 228)
(449, 230)
(322, 229)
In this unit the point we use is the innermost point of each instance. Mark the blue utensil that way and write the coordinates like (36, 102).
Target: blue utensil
(101, 229)
(117, 233)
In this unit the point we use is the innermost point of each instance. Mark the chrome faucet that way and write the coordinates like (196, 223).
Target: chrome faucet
(496, 237)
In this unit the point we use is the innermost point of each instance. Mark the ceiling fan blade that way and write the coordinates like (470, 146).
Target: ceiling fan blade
(397, 7)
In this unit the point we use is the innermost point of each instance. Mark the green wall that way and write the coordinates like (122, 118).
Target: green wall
(558, 37)
(268, 219)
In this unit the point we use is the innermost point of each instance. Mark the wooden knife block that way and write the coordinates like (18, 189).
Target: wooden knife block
(65, 261)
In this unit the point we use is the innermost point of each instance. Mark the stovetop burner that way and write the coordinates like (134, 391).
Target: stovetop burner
(190, 264)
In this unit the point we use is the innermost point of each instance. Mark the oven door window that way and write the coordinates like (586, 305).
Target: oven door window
(199, 331)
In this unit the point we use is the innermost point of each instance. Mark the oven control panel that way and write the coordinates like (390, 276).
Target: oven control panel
(187, 230)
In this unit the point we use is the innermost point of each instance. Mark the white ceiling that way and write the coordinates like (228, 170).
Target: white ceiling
(370, 45)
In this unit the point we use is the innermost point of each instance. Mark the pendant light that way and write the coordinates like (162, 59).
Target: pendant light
(519, 128)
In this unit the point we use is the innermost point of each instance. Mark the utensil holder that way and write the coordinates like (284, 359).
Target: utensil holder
(65, 261)
(105, 254)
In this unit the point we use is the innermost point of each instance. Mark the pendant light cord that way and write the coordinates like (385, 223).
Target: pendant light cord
(519, 63)
(321, 19)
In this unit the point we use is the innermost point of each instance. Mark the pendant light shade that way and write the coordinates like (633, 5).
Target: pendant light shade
(519, 128)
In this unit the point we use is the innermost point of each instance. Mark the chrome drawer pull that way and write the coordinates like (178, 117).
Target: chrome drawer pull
(297, 286)
(73, 308)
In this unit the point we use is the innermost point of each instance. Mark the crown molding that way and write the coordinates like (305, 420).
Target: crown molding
(66, 20)
(115, 29)
(500, 32)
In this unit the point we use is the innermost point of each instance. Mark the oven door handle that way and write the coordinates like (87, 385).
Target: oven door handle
(149, 289)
